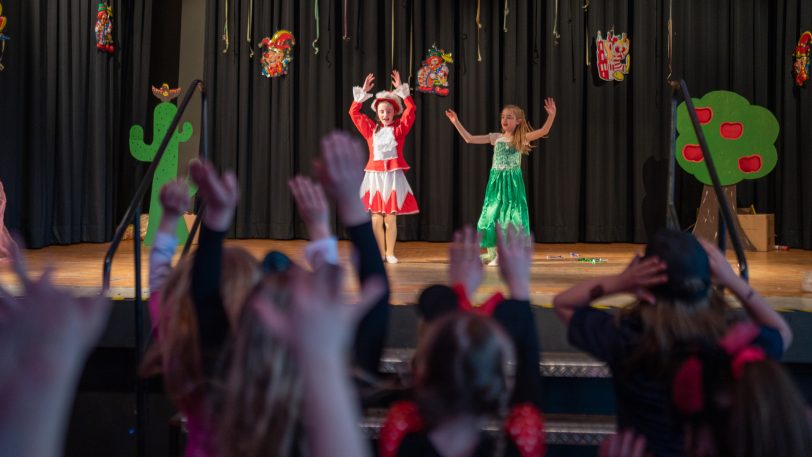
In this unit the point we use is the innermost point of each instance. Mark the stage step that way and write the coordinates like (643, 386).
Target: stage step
(553, 364)
(560, 429)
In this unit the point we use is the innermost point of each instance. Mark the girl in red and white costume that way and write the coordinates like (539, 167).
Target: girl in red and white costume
(385, 191)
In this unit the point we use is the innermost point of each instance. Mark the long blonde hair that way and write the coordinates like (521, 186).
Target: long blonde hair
(518, 140)
(177, 350)
(259, 403)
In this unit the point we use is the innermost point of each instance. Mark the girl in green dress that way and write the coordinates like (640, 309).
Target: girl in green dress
(505, 198)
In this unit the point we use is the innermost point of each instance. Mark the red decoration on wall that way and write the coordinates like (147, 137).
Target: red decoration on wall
(800, 67)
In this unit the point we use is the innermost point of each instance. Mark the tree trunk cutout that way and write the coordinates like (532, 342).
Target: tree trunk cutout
(707, 220)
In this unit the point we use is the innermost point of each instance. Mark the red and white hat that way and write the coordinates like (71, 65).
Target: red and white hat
(388, 96)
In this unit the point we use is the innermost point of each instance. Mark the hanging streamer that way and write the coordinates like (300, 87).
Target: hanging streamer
(586, 32)
(556, 35)
(411, 43)
(315, 42)
(478, 28)
(3, 37)
(505, 14)
(393, 33)
(346, 36)
(670, 38)
(225, 30)
(248, 34)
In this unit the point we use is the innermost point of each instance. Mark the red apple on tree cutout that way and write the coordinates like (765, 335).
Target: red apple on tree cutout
(731, 130)
(704, 115)
(750, 164)
(692, 153)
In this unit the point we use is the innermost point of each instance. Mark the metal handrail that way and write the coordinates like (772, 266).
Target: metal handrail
(724, 208)
(133, 214)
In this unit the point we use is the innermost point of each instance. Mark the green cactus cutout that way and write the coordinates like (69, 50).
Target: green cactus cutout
(741, 137)
(167, 170)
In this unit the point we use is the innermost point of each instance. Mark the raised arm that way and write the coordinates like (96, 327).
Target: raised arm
(758, 309)
(638, 276)
(362, 122)
(466, 136)
(549, 106)
(404, 124)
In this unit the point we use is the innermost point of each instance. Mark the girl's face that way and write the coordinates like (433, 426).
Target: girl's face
(386, 114)
(509, 120)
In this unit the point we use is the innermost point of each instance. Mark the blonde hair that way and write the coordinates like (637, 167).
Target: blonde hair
(518, 140)
(177, 352)
(260, 399)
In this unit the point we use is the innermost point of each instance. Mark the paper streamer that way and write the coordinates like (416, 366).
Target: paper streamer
(505, 14)
(225, 30)
(478, 28)
(248, 35)
(315, 42)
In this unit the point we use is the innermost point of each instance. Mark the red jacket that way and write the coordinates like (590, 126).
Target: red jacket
(401, 128)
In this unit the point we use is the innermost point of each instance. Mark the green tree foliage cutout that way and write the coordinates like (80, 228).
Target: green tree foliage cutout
(741, 139)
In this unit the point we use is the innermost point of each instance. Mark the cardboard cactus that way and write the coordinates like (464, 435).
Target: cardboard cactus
(741, 138)
(167, 170)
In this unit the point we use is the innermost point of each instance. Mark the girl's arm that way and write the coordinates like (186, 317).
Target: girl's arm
(407, 119)
(549, 106)
(174, 199)
(637, 278)
(758, 309)
(466, 136)
(362, 122)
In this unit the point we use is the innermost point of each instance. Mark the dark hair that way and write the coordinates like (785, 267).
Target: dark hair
(462, 368)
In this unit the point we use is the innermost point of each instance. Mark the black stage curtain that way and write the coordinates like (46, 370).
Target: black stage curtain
(600, 177)
(65, 112)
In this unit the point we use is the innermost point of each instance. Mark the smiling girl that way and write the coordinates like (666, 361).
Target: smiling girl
(505, 198)
(385, 191)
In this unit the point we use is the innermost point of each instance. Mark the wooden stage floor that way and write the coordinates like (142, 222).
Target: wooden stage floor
(777, 275)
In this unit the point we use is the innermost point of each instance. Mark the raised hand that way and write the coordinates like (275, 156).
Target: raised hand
(369, 83)
(464, 266)
(549, 106)
(451, 115)
(318, 322)
(175, 198)
(515, 250)
(220, 194)
(640, 275)
(341, 171)
(396, 79)
(312, 206)
(722, 273)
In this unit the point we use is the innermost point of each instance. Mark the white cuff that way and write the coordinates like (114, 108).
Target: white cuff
(402, 91)
(359, 96)
(322, 251)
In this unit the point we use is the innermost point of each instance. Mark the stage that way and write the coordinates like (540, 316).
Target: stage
(776, 274)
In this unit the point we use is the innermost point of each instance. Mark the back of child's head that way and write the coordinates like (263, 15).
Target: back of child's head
(179, 340)
(259, 401)
(686, 307)
(462, 368)
(519, 139)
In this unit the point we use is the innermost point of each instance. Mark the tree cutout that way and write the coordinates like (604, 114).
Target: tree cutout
(741, 138)
(168, 168)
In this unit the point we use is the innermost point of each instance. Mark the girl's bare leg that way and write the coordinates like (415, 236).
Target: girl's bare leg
(390, 222)
(378, 231)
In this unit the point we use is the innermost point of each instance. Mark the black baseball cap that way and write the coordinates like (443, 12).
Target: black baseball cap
(688, 267)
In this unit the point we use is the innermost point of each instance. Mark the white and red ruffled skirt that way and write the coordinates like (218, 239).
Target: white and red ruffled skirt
(388, 192)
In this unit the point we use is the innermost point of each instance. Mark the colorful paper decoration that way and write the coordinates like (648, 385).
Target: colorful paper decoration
(168, 168)
(3, 36)
(276, 53)
(104, 28)
(800, 67)
(740, 136)
(613, 56)
(432, 78)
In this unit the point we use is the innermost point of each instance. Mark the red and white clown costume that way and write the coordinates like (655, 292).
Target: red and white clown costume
(385, 189)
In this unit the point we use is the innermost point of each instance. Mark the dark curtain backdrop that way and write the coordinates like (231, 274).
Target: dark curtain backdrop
(65, 110)
(600, 177)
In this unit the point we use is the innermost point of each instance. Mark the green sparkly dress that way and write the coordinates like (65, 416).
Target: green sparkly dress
(505, 198)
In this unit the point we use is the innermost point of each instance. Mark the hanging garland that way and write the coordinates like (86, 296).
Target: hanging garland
(104, 28)
(249, 36)
(505, 14)
(225, 30)
(478, 28)
(3, 36)
(315, 43)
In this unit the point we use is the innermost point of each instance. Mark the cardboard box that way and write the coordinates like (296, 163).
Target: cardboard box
(760, 229)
